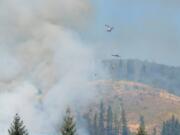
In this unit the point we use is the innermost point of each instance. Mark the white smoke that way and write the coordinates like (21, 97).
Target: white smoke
(9, 66)
(44, 66)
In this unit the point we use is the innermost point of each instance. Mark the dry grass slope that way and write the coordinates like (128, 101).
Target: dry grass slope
(156, 105)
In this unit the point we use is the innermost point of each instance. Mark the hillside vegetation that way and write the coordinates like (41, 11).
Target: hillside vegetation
(156, 105)
(156, 75)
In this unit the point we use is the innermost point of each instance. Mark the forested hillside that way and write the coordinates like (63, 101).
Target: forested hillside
(156, 75)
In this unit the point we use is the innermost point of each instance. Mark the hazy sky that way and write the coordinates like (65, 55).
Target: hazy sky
(144, 29)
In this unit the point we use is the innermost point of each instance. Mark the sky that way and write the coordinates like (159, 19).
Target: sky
(144, 29)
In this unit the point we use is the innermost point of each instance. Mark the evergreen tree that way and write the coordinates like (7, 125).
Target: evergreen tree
(69, 126)
(176, 127)
(90, 125)
(142, 123)
(17, 127)
(109, 121)
(164, 129)
(117, 125)
(95, 124)
(154, 131)
(141, 129)
(171, 127)
(116, 117)
(101, 119)
(125, 130)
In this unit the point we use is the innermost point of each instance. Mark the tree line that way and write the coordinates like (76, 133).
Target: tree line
(101, 124)
(105, 121)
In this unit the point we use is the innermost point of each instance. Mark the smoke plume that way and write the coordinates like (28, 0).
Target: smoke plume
(44, 65)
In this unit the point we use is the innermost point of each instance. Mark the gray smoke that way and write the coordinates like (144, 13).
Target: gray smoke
(44, 65)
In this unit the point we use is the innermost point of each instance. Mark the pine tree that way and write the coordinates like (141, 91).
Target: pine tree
(171, 127)
(116, 117)
(69, 126)
(101, 119)
(125, 130)
(109, 121)
(141, 129)
(90, 125)
(95, 125)
(117, 125)
(164, 129)
(154, 131)
(142, 123)
(17, 127)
